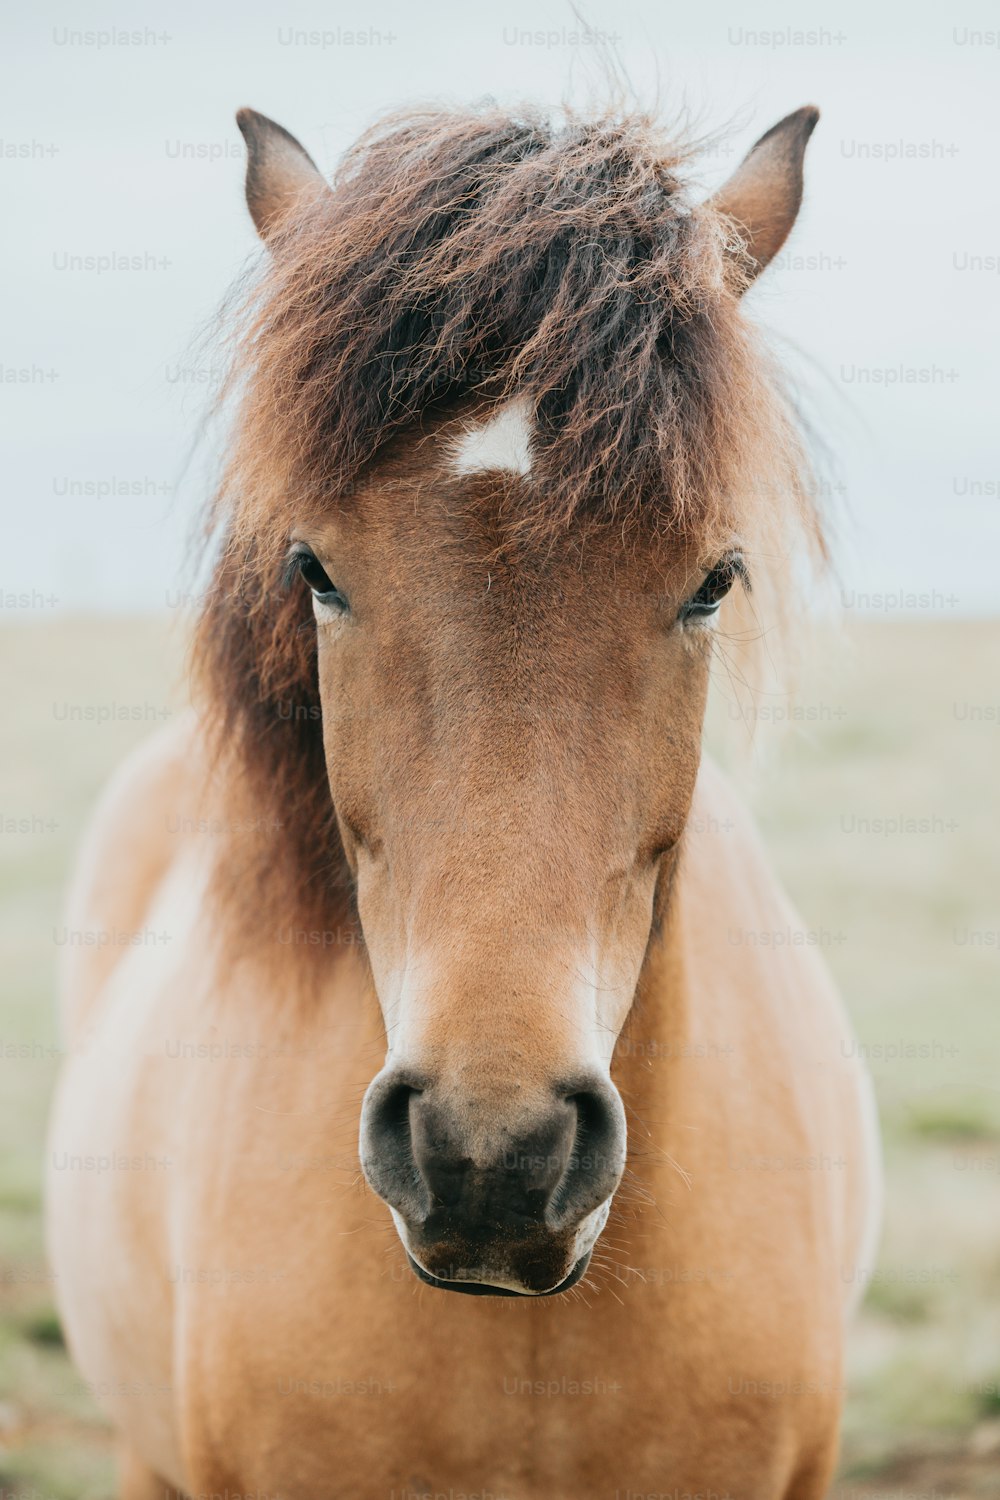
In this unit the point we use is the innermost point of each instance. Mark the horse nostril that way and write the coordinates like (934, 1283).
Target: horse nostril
(396, 1106)
(387, 1144)
(390, 1114)
(595, 1165)
(594, 1115)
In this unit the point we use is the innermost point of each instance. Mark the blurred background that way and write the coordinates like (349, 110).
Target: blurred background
(123, 192)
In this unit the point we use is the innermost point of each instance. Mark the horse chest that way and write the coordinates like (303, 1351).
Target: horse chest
(343, 1370)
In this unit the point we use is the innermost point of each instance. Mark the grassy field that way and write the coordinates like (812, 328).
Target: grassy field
(881, 809)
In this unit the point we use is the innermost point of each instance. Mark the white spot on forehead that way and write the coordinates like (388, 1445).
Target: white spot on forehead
(503, 441)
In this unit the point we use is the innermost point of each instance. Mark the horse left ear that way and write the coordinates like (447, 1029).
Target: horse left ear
(764, 194)
(281, 175)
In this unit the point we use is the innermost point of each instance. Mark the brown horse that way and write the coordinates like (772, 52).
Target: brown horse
(439, 857)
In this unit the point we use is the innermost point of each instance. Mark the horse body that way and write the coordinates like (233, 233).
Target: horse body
(246, 1316)
(439, 858)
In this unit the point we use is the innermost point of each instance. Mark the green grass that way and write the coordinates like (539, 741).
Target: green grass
(884, 741)
(54, 1445)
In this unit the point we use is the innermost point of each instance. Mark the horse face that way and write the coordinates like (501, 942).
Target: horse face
(512, 738)
(512, 732)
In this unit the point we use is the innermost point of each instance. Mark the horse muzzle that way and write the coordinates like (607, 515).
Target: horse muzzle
(485, 1206)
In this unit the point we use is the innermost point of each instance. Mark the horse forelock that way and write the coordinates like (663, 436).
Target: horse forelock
(468, 260)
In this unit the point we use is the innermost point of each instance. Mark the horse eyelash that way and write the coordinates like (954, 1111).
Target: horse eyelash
(290, 568)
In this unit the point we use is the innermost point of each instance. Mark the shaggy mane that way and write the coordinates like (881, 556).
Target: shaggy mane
(471, 255)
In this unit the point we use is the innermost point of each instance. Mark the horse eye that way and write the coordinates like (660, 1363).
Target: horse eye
(715, 588)
(304, 561)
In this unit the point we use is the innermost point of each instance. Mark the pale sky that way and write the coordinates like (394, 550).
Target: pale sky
(890, 286)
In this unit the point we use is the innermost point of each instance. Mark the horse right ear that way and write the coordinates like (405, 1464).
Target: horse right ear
(281, 175)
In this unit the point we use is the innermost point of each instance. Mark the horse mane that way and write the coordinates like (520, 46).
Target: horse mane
(471, 255)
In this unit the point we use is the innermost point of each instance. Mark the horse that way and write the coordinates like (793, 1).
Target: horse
(432, 1134)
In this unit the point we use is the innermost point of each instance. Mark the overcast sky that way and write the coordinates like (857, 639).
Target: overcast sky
(115, 148)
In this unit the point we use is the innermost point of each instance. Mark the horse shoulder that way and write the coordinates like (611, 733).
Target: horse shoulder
(792, 1026)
